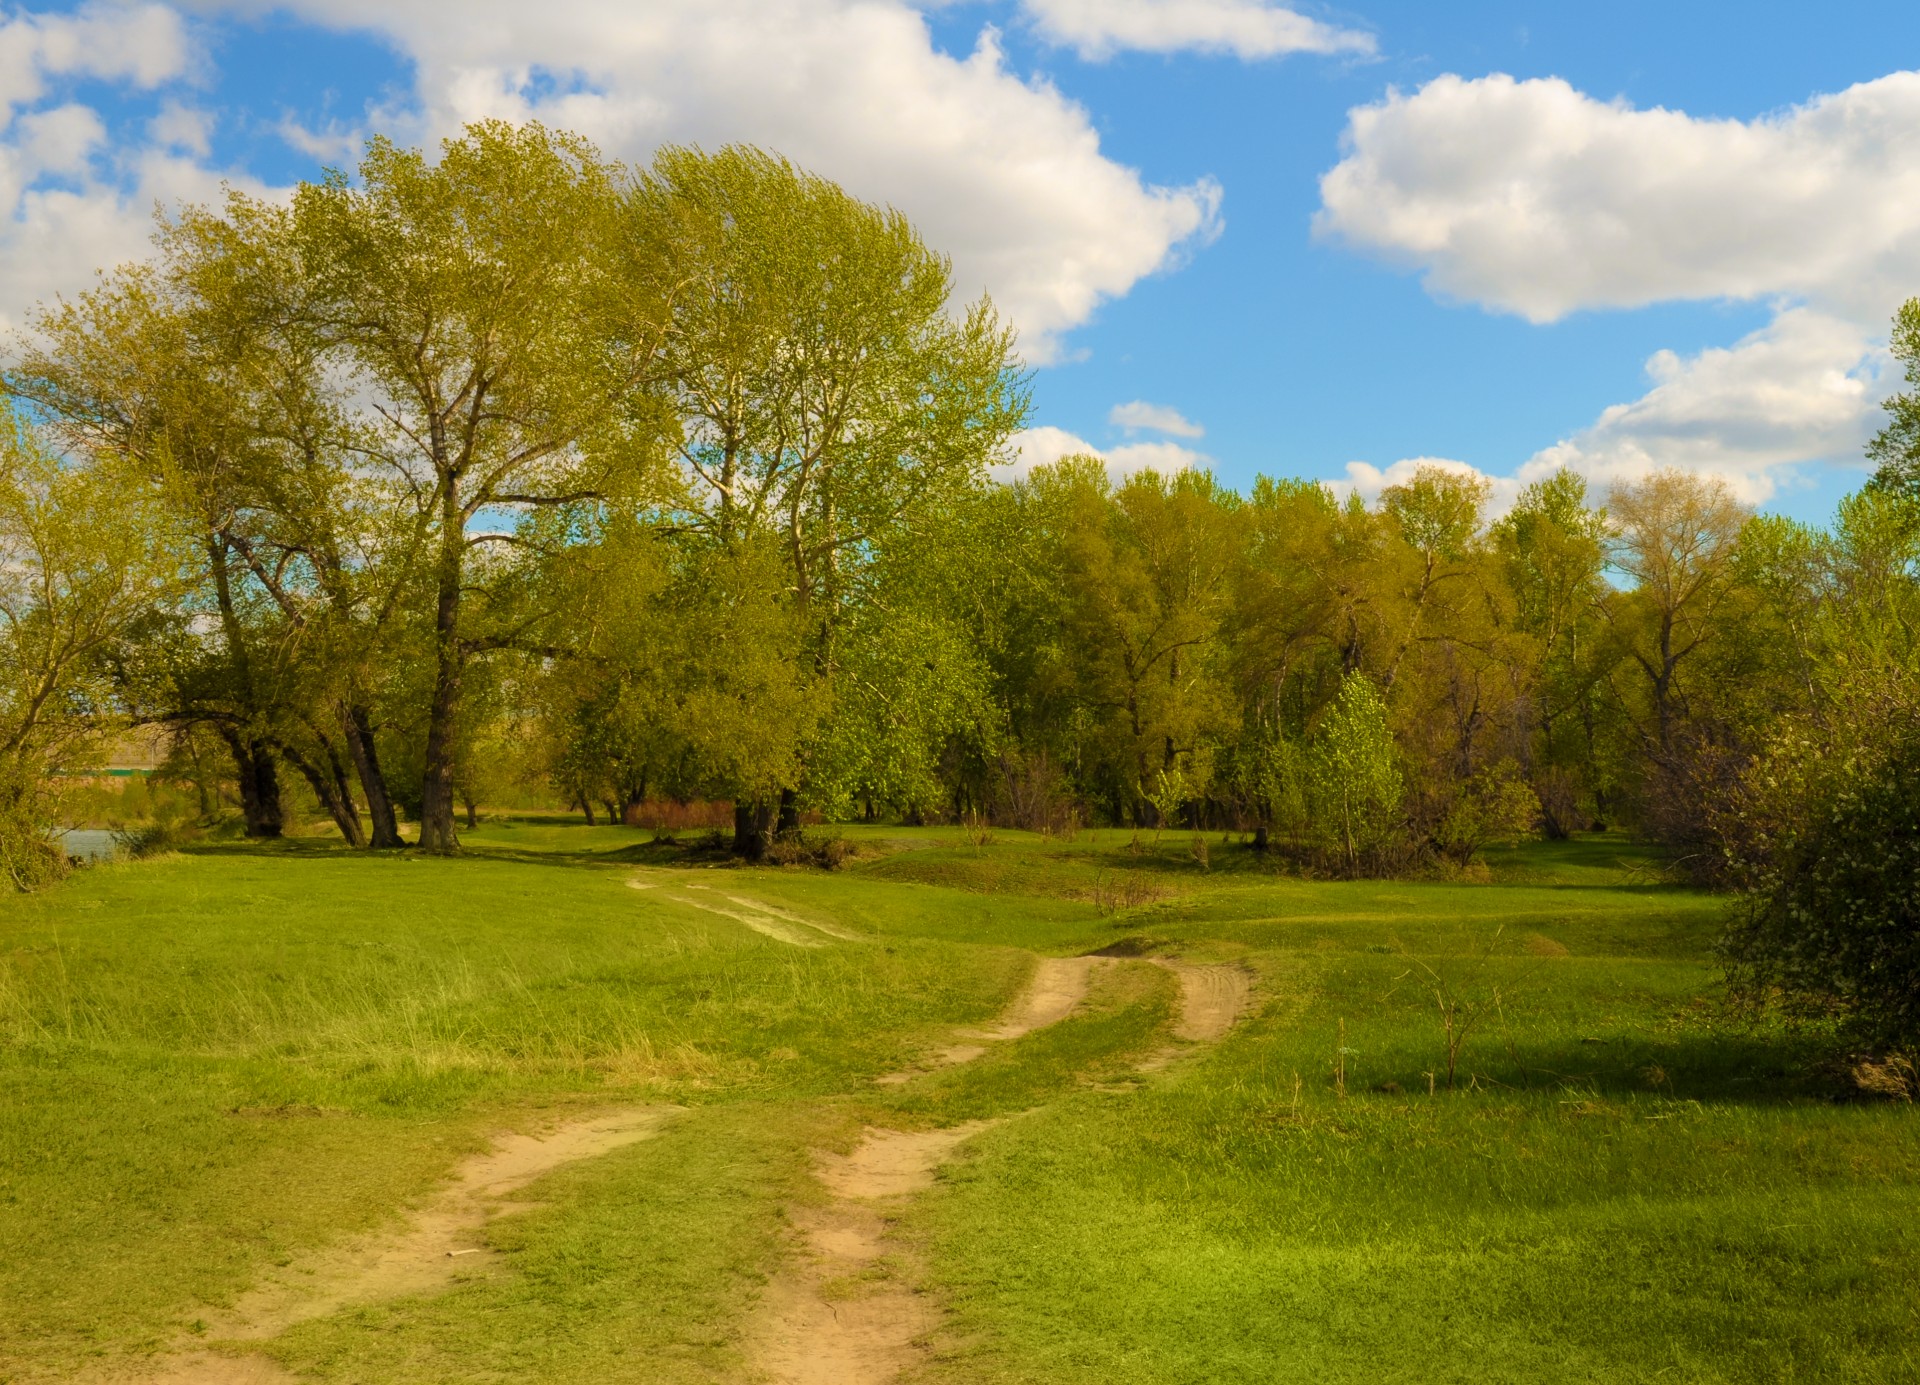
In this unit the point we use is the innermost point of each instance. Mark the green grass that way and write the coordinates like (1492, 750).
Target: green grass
(212, 1062)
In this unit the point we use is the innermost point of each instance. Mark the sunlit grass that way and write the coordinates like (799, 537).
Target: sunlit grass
(212, 1062)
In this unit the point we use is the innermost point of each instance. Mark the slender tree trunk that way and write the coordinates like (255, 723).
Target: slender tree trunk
(789, 819)
(436, 787)
(586, 806)
(332, 792)
(358, 727)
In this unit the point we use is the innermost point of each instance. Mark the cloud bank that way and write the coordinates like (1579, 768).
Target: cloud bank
(1532, 198)
(1002, 172)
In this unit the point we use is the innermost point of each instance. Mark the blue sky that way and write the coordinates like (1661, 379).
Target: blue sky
(1610, 237)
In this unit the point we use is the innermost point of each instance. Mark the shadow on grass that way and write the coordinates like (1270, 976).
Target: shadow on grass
(665, 854)
(1751, 1067)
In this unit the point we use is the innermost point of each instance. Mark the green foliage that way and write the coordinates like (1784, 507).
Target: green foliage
(1896, 447)
(1827, 855)
(1495, 805)
(1354, 772)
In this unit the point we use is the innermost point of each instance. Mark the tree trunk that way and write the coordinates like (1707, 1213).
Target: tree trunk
(789, 819)
(586, 806)
(358, 726)
(751, 822)
(332, 792)
(260, 806)
(436, 786)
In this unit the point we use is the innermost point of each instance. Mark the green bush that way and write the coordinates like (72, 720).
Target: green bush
(1829, 867)
(30, 859)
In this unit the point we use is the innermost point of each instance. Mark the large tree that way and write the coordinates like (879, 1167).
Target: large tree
(467, 302)
(828, 398)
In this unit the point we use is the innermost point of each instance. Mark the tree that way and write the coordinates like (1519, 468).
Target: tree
(204, 371)
(1829, 870)
(826, 398)
(1677, 539)
(1356, 780)
(1896, 447)
(83, 559)
(1145, 571)
(467, 301)
(1554, 552)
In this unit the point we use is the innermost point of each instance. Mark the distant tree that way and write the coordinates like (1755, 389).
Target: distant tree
(1678, 540)
(1554, 551)
(1896, 447)
(1354, 771)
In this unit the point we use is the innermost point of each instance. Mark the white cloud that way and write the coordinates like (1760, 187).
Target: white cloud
(58, 236)
(1805, 387)
(1142, 417)
(70, 202)
(182, 127)
(1368, 481)
(1153, 456)
(1249, 29)
(144, 45)
(1532, 198)
(1046, 445)
(335, 146)
(1003, 173)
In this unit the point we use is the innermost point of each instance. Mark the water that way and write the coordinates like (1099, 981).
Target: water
(88, 843)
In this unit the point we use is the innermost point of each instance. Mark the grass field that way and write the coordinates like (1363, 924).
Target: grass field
(214, 1063)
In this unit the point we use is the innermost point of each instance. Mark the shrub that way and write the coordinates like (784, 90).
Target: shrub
(796, 848)
(1827, 858)
(29, 857)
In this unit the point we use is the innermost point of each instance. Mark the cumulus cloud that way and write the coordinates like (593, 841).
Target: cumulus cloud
(1046, 445)
(1142, 417)
(1805, 387)
(182, 127)
(144, 45)
(1248, 29)
(1000, 171)
(1368, 481)
(1533, 198)
(73, 201)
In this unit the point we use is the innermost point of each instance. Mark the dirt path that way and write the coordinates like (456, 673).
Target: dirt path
(1212, 1000)
(842, 1315)
(434, 1249)
(1058, 985)
(768, 920)
(839, 1317)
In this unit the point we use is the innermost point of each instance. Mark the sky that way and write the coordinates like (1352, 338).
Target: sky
(1318, 241)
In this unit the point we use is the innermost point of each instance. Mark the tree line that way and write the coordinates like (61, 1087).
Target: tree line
(673, 482)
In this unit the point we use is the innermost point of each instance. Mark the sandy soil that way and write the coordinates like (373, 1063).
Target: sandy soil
(434, 1248)
(844, 1315)
(1056, 988)
(1212, 999)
